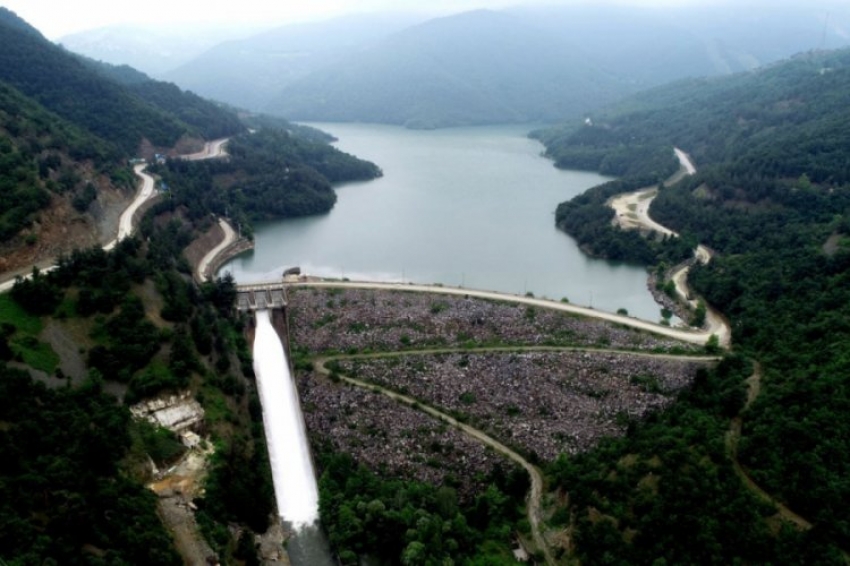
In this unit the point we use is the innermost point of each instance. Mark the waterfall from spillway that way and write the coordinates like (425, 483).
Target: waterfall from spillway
(289, 452)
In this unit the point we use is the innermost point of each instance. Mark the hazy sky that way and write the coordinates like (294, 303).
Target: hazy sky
(55, 18)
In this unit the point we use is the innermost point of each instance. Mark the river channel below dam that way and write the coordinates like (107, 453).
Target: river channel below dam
(473, 207)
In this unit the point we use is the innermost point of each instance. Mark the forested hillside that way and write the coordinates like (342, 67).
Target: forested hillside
(67, 126)
(104, 330)
(269, 174)
(66, 86)
(771, 198)
(71, 478)
(39, 153)
(210, 119)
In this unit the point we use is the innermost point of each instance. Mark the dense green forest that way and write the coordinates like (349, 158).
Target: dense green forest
(271, 173)
(63, 500)
(407, 522)
(666, 494)
(97, 100)
(65, 86)
(67, 492)
(209, 119)
(771, 198)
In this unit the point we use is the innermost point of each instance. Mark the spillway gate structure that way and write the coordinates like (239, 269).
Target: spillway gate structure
(259, 297)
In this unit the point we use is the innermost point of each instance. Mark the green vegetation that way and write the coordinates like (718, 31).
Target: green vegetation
(19, 337)
(589, 220)
(666, 493)
(35, 155)
(771, 198)
(414, 523)
(67, 123)
(81, 445)
(96, 100)
(269, 174)
(209, 119)
(63, 500)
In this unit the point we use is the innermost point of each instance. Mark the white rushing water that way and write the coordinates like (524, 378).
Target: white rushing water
(289, 452)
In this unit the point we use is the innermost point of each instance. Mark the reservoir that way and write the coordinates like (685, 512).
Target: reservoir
(463, 206)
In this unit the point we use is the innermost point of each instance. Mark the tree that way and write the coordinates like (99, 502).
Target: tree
(698, 319)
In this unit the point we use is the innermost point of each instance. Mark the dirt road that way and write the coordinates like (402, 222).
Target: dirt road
(632, 213)
(211, 150)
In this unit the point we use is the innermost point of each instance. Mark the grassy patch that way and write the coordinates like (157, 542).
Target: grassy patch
(35, 354)
(23, 330)
(13, 313)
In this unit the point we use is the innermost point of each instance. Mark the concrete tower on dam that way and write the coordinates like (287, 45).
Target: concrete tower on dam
(266, 296)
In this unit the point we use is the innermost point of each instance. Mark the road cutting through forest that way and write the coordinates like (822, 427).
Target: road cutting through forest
(631, 212)
(212, 150)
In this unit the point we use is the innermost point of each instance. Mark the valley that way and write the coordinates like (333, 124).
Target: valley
(637, 356)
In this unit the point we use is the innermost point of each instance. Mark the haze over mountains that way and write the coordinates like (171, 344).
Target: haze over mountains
(515, 65)
(153, 50)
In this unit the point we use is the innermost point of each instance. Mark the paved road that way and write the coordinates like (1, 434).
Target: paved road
(211, 150)
(125, 224)
(229, 238)
(684, 334)
(520, 348)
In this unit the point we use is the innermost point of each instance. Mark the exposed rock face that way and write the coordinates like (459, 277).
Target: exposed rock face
(178, 413)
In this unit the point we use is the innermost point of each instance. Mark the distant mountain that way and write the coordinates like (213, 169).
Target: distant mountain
(473, 68)
(652, 46)
(248, 73)
(521, 64)
(155, 50)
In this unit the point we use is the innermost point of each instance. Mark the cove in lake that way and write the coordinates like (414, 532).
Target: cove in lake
(462, 206)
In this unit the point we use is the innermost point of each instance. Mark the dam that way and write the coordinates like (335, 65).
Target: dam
(293, 474)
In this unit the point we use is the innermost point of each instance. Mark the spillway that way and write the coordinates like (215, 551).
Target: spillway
(289, 451)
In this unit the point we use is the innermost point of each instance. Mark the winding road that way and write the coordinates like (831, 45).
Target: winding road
(125, 223)
(212, 150)
(229, 238)
(534, 498)
(632, 213)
